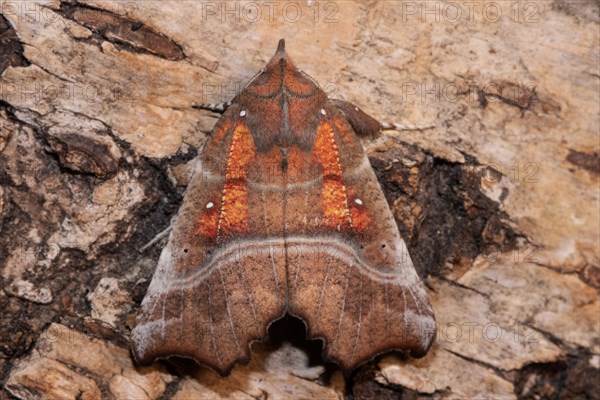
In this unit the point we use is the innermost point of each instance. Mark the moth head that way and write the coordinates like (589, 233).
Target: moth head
(280, 47)
(280, 59)
(281, 73)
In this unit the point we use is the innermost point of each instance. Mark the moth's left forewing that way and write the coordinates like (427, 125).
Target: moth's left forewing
(357, 285)
(215, 289)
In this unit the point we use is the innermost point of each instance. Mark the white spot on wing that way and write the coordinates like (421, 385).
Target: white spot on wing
(242, 113)
(323, 111)
(210, 204)
(358, 201)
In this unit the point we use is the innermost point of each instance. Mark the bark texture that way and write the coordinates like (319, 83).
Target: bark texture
(498, 201)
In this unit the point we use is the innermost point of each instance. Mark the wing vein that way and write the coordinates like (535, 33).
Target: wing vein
(211, 325)
(322, 294)
(165, 296)
(412, 294)
(339, 327)
(181, 312)
(250, 300)
(296, 274)
(403, 311)
(359, 322)
(235, 338)
(263, 203)
(387, 310)
(272, 256)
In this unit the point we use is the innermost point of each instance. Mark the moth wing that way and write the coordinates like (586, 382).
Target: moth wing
(356, 286)
(209, 297)
(362, 123)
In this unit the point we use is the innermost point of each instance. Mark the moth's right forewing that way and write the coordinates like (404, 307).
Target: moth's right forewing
(355, 284)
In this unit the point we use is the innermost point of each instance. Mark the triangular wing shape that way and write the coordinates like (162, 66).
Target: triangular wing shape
(352, 280)
(217, 287)
(283, 214)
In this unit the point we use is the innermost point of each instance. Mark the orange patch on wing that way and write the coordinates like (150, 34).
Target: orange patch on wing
(359, 214)
(360, 218)
(221, 131)
(208, 223)
(233, 216)
(344, 131)
(334, 201)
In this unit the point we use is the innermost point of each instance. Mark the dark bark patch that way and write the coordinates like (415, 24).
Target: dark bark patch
(589, 162)
(582, 380)
(513, 94)
(365, 387)
(82, 154)
(11, 49)
(591, 275)
(124, 32)
(443, 215)
(541, 380)
(588, 10)
(573, 378)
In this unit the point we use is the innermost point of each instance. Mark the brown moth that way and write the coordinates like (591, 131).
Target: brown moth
(284, 215)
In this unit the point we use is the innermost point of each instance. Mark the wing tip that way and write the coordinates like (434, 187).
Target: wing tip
(149, 358)
(415, 344)
(146, 350)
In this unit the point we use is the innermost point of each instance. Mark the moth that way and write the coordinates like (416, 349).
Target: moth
(284, 214)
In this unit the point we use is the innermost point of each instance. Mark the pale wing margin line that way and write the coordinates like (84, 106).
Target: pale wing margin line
(337, 248)
(162, 318)
(167, 258)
